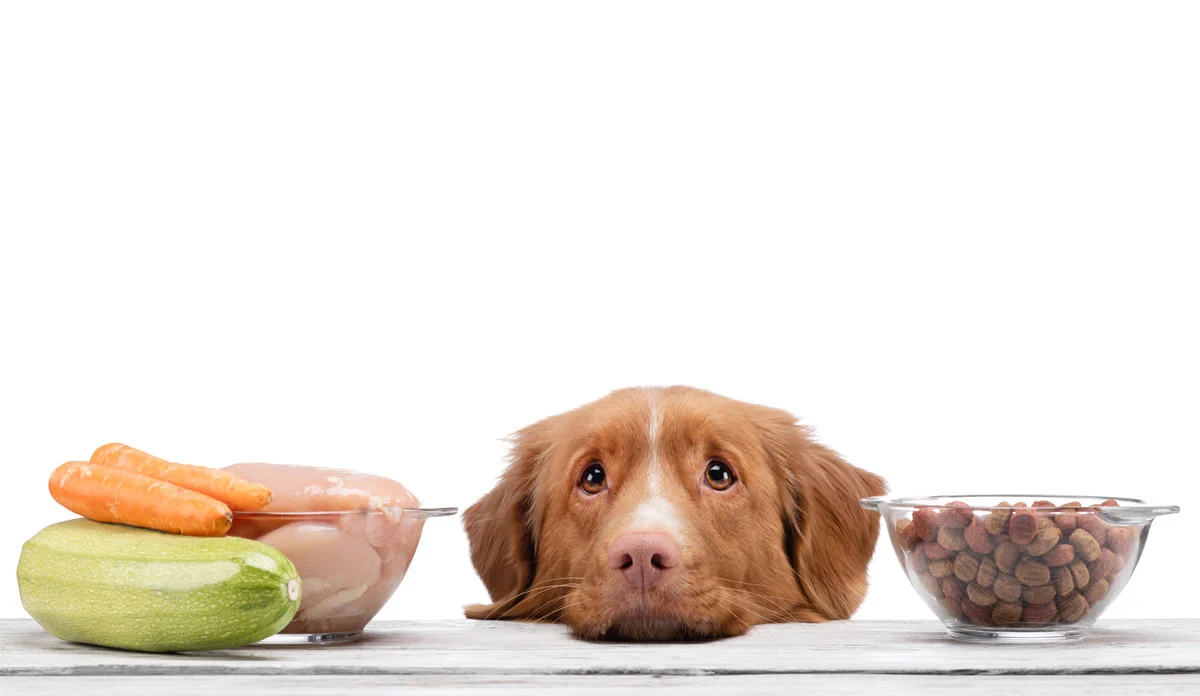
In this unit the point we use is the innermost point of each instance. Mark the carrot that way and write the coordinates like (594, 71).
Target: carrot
(234, 491)
(106, 494)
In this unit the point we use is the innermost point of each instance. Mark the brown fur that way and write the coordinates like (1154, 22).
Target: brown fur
(788, 542)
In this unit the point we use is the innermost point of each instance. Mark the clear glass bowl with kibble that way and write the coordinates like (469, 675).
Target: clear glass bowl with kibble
(1018, 568)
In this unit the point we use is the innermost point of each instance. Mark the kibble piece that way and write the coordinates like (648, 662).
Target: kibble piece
(1079, 571)
(1007, 554)
(956, 515)
(1085, 544)
(983, 596)
(1059, 555)
(1045, 540)
(978, 538)
(1041, 594)
(951, 606)
(1022, 527)
(935, 551)
(907, 534)
(976, 613)
(942, 568)
(932, 585)
(1007, 588)
(1063, 581)
(1072, 607)
(997, 521)
(1094, 526)
(1120, 539)
(925, 522)
(1105, 566)
(1096, 592)
(987, 572)
(966, 567)
(952, 588)
(1031, 572)
(1006, 613)
(1066, 519)
(1040, 613)
(951, 538)
(918, 560)
(1042, 506)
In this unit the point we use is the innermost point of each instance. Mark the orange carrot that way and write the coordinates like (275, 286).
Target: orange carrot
(105, 494)
(234, 491)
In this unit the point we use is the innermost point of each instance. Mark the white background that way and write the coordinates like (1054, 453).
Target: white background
(960, 240)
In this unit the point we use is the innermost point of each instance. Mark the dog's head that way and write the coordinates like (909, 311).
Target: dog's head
(674, 513)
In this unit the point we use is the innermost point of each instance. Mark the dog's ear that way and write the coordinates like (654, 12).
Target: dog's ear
(830, 537)
(500, 531)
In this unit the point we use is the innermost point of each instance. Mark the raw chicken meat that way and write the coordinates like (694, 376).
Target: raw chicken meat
(350, 561)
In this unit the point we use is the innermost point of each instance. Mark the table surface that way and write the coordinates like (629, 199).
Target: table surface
(447, 657)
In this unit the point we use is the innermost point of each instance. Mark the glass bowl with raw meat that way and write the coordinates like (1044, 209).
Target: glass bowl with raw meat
(350, 535)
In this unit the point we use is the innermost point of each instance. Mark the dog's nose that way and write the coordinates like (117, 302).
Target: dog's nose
(643, 557)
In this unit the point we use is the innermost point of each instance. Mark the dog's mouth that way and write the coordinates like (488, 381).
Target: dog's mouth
(645, 618)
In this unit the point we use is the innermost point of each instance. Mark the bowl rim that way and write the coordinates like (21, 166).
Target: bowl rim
(1130, 510)
(413, 512)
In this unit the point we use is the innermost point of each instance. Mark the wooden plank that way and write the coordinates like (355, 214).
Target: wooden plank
(506, 648)
(610, 685)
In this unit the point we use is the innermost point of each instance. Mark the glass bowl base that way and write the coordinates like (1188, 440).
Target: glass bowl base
(993, 634)
(312, 638)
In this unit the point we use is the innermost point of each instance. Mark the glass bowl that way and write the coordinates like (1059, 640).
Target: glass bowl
(350, 563)
(1017, 568)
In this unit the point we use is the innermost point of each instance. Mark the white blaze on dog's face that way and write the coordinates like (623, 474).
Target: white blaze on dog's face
(672, 513)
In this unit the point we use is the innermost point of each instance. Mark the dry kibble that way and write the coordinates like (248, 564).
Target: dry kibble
(966, 567)
(1007, 554)
(1096, 592)
(941, 569)
(1085, 544)
(951, 538)
(917, 560)
(1022, 527)
(1079, 571)
(1072, 607)
(951, 607)
(1016, 564)
(956, 515)
(1038, 595)
(987, 572)
(1059, 555)
(1104, 566)
(1066, 519)
(983, 596)
(1006, 613)
(931, 584)
(976, 613)
(925, 523)
(1031, 572)
(1094, 526)
(906, 532)
(1046, 539)
(978, 539)
(1007, 588)
(1119, 539)
(1063, 581)
(997, 521)
(952, 588)
(1040, 613)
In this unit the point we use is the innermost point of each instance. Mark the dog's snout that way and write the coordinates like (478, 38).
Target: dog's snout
(642, 558)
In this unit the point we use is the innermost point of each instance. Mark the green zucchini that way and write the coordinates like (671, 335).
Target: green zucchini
(138, 589)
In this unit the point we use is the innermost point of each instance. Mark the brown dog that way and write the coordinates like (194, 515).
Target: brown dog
(659, 514)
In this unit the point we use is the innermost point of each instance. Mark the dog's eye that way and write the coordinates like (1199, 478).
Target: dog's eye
(592, 481)
(718, 475)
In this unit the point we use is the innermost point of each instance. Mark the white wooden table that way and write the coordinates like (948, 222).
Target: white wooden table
(447, 657)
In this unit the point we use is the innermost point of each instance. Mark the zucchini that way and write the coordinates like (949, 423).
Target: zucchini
(138, 589)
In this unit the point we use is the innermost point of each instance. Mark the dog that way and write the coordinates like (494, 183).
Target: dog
(672, 514)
